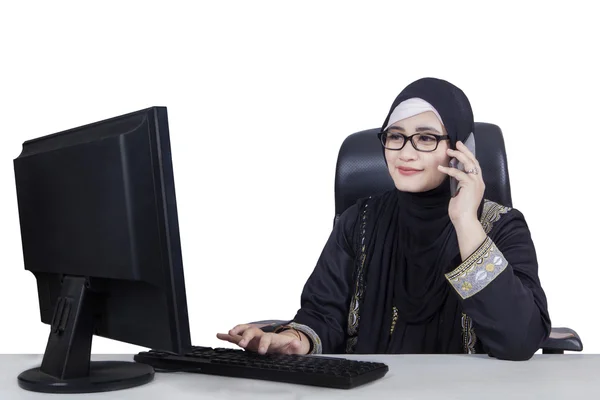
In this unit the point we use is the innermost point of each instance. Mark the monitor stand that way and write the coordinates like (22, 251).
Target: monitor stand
(66, 366)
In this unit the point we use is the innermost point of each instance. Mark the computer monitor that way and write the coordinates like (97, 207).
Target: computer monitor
(99, 231)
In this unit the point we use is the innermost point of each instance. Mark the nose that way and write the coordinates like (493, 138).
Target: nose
(408, 152)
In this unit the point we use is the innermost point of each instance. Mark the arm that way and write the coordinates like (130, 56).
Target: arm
(326, 295)
(470, 236)
(500, 289)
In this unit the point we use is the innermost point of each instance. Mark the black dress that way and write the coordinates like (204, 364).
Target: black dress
(501, 308)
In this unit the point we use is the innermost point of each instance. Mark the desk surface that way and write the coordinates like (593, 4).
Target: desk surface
(571, 376)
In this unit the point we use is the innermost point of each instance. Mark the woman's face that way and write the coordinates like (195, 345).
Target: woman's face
(412, 170)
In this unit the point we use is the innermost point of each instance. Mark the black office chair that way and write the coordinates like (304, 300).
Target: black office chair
(361, 172)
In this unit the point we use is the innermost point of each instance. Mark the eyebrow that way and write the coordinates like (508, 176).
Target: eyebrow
(419, 129)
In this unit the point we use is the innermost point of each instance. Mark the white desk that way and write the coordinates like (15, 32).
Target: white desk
(571, 376)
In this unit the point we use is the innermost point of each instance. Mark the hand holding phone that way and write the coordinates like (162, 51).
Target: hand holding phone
(454, 163)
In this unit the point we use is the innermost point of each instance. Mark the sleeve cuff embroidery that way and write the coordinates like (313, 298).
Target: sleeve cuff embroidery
(478, 271)
(316, 346)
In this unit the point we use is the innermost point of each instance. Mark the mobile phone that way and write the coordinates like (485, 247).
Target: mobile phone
(454, 163)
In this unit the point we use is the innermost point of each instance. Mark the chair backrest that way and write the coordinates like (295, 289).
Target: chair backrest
(361, 169)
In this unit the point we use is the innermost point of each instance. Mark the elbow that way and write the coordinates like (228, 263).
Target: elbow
(515, 354)
(523, 343)
(517, 349)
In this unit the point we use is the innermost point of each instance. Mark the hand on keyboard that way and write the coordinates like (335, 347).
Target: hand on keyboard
(333, 372)
(251, 337)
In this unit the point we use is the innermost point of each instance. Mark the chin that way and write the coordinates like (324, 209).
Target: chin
(412, 187)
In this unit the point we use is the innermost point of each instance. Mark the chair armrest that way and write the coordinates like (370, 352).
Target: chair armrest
(561, 340)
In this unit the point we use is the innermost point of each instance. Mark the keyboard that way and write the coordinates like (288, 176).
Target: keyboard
(321, 371)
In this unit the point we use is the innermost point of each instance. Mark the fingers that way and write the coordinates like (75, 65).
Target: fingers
(463, 158)
(238, 329)
(464, 149)
(248, 335)
(229, 338)
(264, 344)
(223, 336)
(241, 335)
(234, 334)
(275, 343)
(254, 339)
(454, 172)
(470, 161)
(278, 343)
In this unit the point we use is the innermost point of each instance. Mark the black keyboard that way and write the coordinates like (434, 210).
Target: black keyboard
(305, 370)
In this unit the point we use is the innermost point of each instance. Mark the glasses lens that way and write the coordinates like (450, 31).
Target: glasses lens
(392, 141)
(425, 142)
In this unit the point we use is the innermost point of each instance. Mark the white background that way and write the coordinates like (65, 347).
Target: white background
(291, 82)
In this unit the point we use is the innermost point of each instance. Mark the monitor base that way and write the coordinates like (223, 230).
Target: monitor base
(104, 376)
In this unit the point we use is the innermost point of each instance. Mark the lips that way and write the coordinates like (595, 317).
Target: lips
(408, 171)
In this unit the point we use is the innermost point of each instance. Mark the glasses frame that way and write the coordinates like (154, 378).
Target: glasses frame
(438, 138)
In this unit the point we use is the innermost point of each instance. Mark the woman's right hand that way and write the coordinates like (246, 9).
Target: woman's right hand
(251, 337)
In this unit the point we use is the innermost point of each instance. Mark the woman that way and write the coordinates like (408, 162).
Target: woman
(415, 270)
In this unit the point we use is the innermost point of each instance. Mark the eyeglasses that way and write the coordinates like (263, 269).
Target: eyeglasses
(425, 142)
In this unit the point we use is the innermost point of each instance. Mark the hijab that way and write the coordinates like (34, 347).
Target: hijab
(410, 243)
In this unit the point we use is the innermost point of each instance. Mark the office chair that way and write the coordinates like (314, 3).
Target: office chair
(361, 172)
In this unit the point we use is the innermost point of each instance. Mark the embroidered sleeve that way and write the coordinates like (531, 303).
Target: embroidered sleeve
(315, 342)
(478, 271)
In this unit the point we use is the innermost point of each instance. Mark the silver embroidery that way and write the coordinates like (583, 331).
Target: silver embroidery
(478, 271)
(394, 319)
(491, 213)
(468, 334)
(354, 311)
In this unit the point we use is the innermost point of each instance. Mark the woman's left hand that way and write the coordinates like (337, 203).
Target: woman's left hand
(463, 207)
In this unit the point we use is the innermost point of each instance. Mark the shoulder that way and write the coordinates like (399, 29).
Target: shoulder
(374, 202)
(366, 205)
(355, 217)
(495, 215)
(346, 222)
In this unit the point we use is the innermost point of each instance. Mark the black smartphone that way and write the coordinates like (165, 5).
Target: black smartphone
(454, 163)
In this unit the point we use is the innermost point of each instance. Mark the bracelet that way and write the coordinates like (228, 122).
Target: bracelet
(287, 328)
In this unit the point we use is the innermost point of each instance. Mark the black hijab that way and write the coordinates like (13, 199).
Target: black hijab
(410, 243)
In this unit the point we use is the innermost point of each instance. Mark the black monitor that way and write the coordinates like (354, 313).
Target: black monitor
(99, 231)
